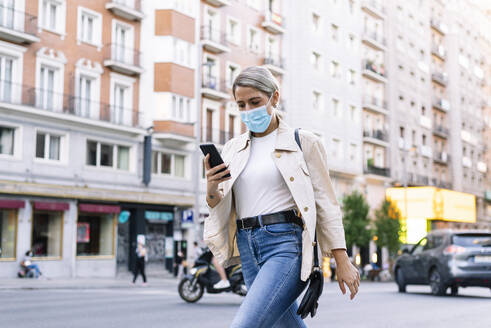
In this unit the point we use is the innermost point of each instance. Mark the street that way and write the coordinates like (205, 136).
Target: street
(376, 305)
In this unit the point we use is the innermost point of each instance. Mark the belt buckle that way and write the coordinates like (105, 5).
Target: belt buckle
(296, 212)
(242, 222)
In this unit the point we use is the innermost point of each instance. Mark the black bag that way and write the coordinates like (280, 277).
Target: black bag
(310, 299)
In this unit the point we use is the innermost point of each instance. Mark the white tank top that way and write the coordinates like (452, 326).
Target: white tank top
(260, 188)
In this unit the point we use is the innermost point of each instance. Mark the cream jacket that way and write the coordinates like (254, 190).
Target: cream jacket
(306, 175)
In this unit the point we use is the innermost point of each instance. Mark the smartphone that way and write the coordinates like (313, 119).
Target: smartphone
(215, 158)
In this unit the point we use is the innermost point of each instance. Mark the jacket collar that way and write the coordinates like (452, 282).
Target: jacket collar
(285, 138)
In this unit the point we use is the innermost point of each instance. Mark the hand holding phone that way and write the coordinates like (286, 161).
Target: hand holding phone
(213, 160)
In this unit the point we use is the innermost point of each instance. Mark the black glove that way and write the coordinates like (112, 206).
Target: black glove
(309, 302)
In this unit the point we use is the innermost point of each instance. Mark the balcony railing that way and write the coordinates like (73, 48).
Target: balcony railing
(121, 58)
(439, 77)
(442, 28)
(214, 40)
(440, 129)
(375, 36)
(217, 136)
(374, 101)
(375, 68)
(441, 103)
(211, 82)
(273, 22)
(441, 157)
(274, 60)
(377, 134)
(438, 50)
(422, 179)
(18, 26)
(371, 169)
(48, 100)
(129, 9)
(372, 4)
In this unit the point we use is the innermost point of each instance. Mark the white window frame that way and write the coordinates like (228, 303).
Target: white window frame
(64, 142)
(60, 18)
(255, 4)
(320, 66)
(129, 39)
(250, 48)
(92, 70)
(320, 20)
(216, 22)
(338, 113)
(18, 142)
(128, 83)
(238, 37)
(98, 166)
(214, 106)
(188, 116)
(97, 27)
(173, 154)
(56, 60)
(231, 109)
(17, 54)
(216, 68)
(237, 72)
(320, 100)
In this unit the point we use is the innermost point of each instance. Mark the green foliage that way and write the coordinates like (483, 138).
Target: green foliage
(355, 220)
(387, 226)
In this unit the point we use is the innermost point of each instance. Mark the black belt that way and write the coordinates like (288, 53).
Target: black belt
(289, 216)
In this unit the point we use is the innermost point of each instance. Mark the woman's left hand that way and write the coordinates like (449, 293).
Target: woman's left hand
(347, 274)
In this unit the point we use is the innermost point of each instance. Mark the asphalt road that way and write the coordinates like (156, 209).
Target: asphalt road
(376, 305)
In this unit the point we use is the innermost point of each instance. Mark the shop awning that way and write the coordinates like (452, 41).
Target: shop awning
(99, 208)
(51, 206)
(11, 203)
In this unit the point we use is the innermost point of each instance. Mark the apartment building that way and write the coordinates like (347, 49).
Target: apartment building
(71, 136)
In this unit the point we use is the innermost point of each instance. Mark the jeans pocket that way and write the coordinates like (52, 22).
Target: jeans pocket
(280, 229)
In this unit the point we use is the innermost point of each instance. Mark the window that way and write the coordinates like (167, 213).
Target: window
(6, 67)
(121, 96)
(181, 109)
(352, 42)
(89, 26)
(47, 88)
(418, 249)
(351, 77)
(334, 69)
(336, 148)
(334, 32)
(353, 149)
(316, 22)
(95, 234)
(335, 108)
(108, 155)
(352, 110)
(123, 43)
(316, 61)
(46, 238)
(232, 72)
(52, 13)
(8, 233)
(169, 164)
(233, 31)
(253, 40)
(317, 100)
(48, 146)
(7, 135)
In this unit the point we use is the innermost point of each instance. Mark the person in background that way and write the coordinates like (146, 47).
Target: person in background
(27, 263)
(141, 255)
(223, 283)
(332, 266)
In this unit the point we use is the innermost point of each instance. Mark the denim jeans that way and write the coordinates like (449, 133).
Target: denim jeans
(271, 261)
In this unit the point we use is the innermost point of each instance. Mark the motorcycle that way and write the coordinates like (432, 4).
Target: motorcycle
(203, 276)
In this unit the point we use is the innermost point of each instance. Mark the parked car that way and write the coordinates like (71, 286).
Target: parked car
(446, 258)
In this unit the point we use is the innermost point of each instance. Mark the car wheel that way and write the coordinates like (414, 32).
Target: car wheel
(454, 290)
(436, 283)
(401, 282)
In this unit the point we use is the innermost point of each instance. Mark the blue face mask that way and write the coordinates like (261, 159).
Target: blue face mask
(257, 119)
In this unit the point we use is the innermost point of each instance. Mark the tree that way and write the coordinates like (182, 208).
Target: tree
(355, 220)
(387, 226)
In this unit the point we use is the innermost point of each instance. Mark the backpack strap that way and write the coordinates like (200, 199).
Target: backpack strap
(316, 255)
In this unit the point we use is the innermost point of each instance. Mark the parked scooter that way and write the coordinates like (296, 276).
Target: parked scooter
(203, 276)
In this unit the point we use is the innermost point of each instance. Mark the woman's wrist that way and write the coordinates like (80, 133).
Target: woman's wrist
(340, 255)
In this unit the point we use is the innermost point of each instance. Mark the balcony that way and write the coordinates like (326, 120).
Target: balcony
(372, 169)
(466, 162)
(425, 151)
(441, 104)
(439, 51)
(214, 40)
(425, 122)
(46, 102)
(375, 104)
(210, 88)
(123, 60)
(441, 184)
(217, 136)
(422, 180)
(440, 78)
(174, 133)
(379, 137)
(482, 167)
(274, 63)
(440, 131)
(218, 3)
(374, 40)
(438, 26)
(128, 9)
(374, 71)
(441, 157)
(17, 26)
(374, 8)
(273, 22)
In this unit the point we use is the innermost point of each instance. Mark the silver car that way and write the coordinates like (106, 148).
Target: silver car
(446, 259)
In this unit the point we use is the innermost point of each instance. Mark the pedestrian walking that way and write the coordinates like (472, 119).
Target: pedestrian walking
(266, 214)
(332, 266)
(141, 256)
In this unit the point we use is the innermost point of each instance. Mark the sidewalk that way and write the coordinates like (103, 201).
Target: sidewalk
(121, 281)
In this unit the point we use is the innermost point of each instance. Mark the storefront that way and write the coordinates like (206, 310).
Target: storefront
(427, 208)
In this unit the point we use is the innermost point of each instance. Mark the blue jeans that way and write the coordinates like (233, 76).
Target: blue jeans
(271, 261)
(35, 268)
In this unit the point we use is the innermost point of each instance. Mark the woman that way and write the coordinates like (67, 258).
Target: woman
(266, 214)
(141, 255)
